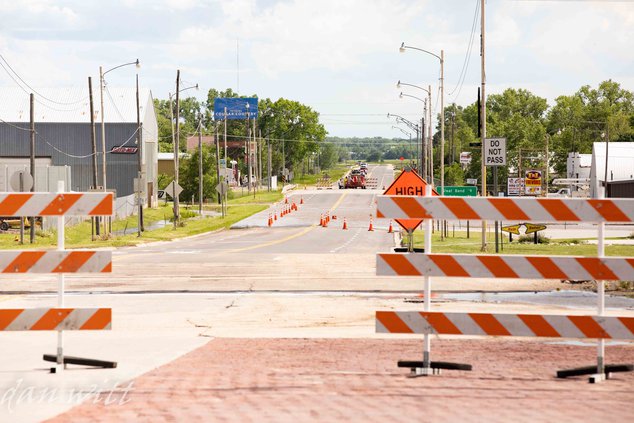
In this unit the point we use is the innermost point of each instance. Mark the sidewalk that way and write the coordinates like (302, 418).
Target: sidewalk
(299, 380)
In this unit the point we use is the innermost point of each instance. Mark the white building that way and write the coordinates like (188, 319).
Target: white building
(620, 164)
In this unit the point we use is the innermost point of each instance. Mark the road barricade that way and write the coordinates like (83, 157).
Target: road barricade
(597, 268)
(58, 262)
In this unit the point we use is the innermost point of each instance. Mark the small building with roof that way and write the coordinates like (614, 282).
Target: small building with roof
(63, 138)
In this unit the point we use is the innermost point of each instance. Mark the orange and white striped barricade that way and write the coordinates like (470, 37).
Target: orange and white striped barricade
(599, 268)
(59, 261)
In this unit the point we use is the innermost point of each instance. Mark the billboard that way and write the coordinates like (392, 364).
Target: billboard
(236, 108)
(533, 182)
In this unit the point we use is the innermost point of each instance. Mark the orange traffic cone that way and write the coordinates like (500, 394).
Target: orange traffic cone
(326, 221)
(275, 215)
(321, 220)
(371, 228)
(301, 200)
(345, 224)
(270, 220)
(285, 200)
(390, 230)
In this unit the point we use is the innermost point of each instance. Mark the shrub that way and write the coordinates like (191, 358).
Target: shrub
(529, 239)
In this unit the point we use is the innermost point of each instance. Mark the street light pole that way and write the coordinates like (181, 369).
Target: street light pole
(176, 149)
(103, 126)
(423, 165)
(441, 58)
(426, 170)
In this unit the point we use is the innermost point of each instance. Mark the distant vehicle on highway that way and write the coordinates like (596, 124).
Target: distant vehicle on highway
(355, 180)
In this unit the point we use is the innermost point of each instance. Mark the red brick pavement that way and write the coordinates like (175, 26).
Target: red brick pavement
(299, 380)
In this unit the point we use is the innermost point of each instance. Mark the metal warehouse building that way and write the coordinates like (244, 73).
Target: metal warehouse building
(63, 138)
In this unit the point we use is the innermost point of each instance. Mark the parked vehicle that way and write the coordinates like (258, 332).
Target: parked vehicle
(7, 222)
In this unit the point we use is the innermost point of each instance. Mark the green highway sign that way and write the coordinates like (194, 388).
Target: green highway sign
(469, 191)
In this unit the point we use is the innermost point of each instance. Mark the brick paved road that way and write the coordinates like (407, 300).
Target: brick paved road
(297, 380)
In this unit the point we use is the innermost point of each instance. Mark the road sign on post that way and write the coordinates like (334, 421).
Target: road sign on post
(173, 189)
(466, 191)
(495, 151)
(221, 188)
(408, 183)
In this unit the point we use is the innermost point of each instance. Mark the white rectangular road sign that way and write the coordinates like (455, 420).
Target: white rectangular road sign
(495, 151)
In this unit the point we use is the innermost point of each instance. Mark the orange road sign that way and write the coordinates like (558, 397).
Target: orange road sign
(514, 229)
(408, 183)
(530, 228)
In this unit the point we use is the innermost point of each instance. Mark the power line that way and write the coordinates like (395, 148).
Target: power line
(465, 64)
(31, 88)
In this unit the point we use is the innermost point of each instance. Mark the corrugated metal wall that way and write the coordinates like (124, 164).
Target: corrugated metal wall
(69, 144)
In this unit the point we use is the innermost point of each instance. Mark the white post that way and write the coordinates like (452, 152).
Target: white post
(601, 301)
(60, 283)
(426, 370)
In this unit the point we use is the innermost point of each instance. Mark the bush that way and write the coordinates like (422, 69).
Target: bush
(529, 239)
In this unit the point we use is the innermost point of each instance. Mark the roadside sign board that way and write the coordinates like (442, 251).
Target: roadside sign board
(408, 183)
(466, 191)
(514, 186)
(533, 182)
(514, 229)
(465, 157)
(236, 108)
(173, 189)
(21, 181)
(495, 151)
(530, 228)
(472, 181)
(221, 188)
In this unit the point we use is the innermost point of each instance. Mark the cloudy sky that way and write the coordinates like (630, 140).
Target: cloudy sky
(340, 57)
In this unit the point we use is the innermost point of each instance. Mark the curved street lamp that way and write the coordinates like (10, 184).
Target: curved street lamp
(441, 58)
(409, 134)
(176, 140)
(429, 148)
(418, 129)
(103, 126)
(425, 172)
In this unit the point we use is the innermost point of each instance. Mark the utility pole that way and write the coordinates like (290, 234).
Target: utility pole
(268, 142)
(442, 122)
(176, 149)
(32, 219)
(200, 164)
(139, 150)
(218, 167)
(93, 139)
(247, 151)
(483, 122)
(423, 153)
(430, 140)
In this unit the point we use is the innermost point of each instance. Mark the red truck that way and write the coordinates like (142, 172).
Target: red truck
(355, 181)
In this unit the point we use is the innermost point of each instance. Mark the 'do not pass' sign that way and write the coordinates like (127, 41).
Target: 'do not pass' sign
(408, 183)
(495, 151)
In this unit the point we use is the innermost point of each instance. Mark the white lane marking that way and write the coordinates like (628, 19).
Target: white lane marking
(351, 240)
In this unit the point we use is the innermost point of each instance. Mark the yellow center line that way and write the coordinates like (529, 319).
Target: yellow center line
(288, 238)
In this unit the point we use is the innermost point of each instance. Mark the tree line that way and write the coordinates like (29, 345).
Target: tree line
(530, 126)
(292, 131)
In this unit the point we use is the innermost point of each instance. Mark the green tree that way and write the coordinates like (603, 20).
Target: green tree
(576, 121)
(189, 174)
